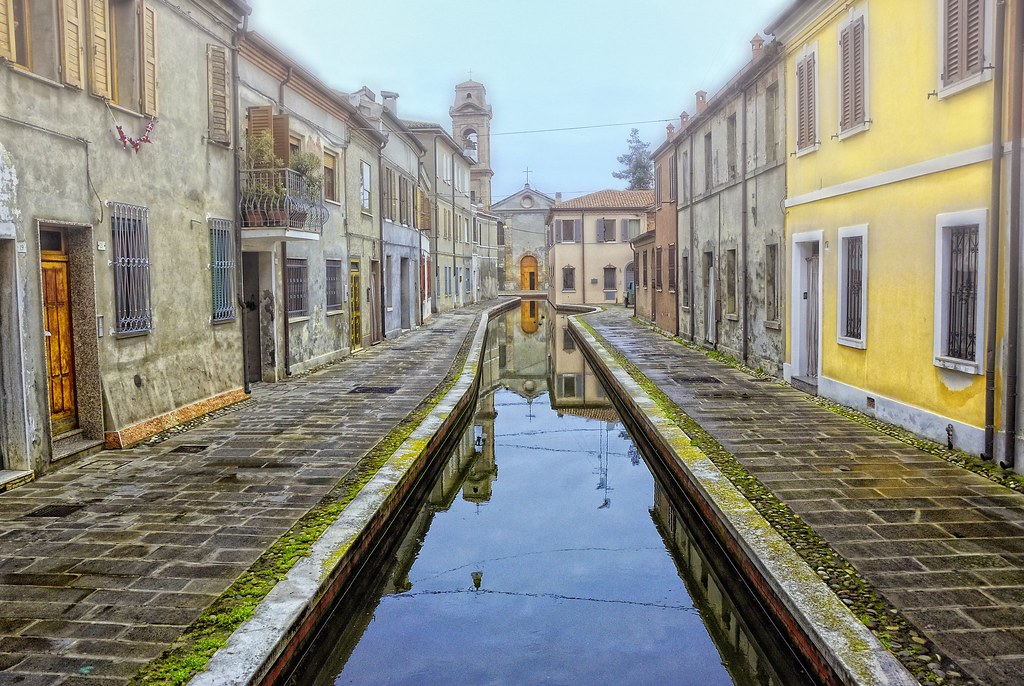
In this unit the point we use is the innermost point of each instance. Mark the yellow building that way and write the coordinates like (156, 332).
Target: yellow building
(890, 226)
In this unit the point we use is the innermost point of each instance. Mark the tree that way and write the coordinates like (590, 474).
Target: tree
(637, 167)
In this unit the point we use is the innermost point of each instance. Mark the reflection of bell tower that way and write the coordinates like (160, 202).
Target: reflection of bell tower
(471, 125)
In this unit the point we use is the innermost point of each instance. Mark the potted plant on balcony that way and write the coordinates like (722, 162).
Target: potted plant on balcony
(259, 192)
(309, 168)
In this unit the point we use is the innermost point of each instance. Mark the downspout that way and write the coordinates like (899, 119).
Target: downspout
(994, 232)
(744, 228)
(281, 87)
(1014, 192)
(383, 255)
(583, 253)
(236, 143)
(435, 248)
(284, 319)
(693, 254)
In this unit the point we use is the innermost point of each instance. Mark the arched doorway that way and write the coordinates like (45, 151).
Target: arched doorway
(529, 316)
(629, 283)
(528, 273)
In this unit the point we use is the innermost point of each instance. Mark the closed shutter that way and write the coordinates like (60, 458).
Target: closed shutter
(625, 230)
(859, 72)
(217, 80)
(71, 42)
(963, 39)
(601, 227)
(282, 149)
(149, 98)
(953, 71)
(99, 47)
(801, 104)
(577, 232)
(7, 29)
(846, 77)
(851, 49)
(974, 36)
(810, 113)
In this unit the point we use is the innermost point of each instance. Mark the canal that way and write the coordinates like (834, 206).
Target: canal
(547, 551)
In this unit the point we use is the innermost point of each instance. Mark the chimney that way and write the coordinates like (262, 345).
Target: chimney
(702, 101)
(390, 99)
(683, 119)
(669, 130)
(756, 46)
(558, 198)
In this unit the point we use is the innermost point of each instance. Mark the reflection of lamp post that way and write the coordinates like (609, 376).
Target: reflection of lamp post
(529, 409)
(478, 578)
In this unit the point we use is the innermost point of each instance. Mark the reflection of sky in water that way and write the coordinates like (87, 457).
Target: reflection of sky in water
(571, 593)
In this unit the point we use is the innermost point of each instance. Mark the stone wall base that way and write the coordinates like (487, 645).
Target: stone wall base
(129, 436)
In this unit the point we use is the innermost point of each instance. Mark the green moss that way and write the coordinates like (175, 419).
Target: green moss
(190, 652)
(868, 604)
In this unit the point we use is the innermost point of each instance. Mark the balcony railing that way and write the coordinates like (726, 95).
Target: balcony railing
(281, 199)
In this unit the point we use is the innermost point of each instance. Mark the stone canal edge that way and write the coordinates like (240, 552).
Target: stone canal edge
(257, 651)
(827, 633)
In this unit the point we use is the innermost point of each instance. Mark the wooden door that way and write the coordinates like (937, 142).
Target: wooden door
(375, 302)
(528, 273)
(60, 358)
(355, 291)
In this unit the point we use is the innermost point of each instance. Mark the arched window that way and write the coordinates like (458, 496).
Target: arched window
(469, 144)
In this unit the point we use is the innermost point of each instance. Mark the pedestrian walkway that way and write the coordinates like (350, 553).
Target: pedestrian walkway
(944, 545)
(137, 543)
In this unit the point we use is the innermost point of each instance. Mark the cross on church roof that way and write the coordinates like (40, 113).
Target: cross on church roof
(527, 172)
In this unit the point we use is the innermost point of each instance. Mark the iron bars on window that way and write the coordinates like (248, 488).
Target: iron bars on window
(129, 238)
(222, 269)
(854, 286)
(961, 335)
(298, 289)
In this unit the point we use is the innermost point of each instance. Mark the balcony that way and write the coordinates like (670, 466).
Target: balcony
(279, 204)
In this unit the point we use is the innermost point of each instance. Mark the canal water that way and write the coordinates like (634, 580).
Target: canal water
(548, 553)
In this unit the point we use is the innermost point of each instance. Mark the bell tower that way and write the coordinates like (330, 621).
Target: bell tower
(471, 126)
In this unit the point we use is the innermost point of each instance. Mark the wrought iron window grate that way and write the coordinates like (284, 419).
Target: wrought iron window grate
(130, 242)
(298, 290)
(963, 293)
(222, 268)
(854, 286)
(334, 281)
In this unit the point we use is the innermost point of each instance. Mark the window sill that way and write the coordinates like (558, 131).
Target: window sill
(333, 202)
(808, 150)
(854, 130)
(122, 109)
(685, 308)
(773, 324)
(18, 69)
(335, 312)
(568, 290)
(965, 366)
(732, 317)
(858, 343)
(218, 322)
(130, 334)
(366, 213)
(965, 84)
(298, 319)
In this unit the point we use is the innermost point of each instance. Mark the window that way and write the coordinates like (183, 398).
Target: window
(657, 184)
(806, 102)
(684, 280)
(568, 342)
(605, 230)
(364, 186)
(630, 229)
(567, 230)
(476, 232)
(222, 268)
(852, 76)
(609, 278)
(960, 290)
(333, 285)
(404, 193)
(218, 84)
(672, 267)
(771, 282)
(297, 274)
(330, 176)
(570, 385)
(709, 176)
(771, 123)
(388, 289)
(852, 286)
(568, 278)
(446, 167)
(643, 262)
(24, 38)
(294, 145)
(466, 279)
(964, 36)
(685, 159)
(501, 232)
(129, 238)
(673, 178)
(657, 268)
(730, 281)
(123, 52)
(730, 145)
(447, 280)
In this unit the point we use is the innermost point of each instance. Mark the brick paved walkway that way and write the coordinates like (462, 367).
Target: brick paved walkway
(93, 595)
(944, 545)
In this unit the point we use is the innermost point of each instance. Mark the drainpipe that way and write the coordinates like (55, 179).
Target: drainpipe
(236, 144)
(284, 298)
(383, 255)
(583, 253)
(693, 248)
(1014, 192)
(994, 232)
(744, 227)
(281, 87)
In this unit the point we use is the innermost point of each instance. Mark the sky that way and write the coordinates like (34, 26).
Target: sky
(551, 64)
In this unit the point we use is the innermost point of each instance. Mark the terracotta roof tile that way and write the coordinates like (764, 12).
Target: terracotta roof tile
(609, 200)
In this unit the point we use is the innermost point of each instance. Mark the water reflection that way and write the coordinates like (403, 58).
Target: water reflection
(533, 575)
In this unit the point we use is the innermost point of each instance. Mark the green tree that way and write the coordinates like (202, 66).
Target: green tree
(637, 167)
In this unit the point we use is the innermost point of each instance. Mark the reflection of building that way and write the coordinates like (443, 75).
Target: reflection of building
(574, 389)
(522, 350)
(483, 471)
(523, 265)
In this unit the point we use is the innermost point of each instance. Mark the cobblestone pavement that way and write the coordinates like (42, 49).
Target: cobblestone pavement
(92, 595)
(944, 545)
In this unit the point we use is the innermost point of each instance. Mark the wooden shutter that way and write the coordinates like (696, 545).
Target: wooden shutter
(217, 83)
(71, 42)
(801, 104)
(810, 126)
(280, 127)
(149, 97)
(859, 72)
(601, 230)
(846, 78)
(625, 230)
(952, 71)
(577, 232)
(973, 46)
(99, 47)
(7, 29)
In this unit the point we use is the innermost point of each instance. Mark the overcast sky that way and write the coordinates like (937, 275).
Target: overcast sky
(546, 64)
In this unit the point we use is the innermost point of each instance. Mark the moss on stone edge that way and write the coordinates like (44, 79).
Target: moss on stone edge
(883, 619)
(989, 470)
(190, 652)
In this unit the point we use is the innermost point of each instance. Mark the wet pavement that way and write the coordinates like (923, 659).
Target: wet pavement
(944, 545)
(144, 539)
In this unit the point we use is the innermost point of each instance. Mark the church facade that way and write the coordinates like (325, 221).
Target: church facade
(522, 254)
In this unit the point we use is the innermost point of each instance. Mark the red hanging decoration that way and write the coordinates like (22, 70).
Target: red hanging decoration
(125, 140)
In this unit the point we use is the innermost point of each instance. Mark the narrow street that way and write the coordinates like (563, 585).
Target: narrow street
(139, 542)
(944, 545)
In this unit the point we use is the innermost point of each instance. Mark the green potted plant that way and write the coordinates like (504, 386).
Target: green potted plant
(309, 166)
(258, 194)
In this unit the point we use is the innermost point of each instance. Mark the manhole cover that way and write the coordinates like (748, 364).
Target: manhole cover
(697, 379)
(54, 510)
(442, 331)
(381, 390)
(190, 449)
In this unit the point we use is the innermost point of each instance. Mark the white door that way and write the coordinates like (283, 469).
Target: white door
(811, 315)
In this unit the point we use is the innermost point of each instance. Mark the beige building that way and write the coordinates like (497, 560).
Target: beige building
(590, 259)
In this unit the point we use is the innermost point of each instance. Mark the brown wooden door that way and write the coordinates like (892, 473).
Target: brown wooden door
(355, 307)
(57, 316)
